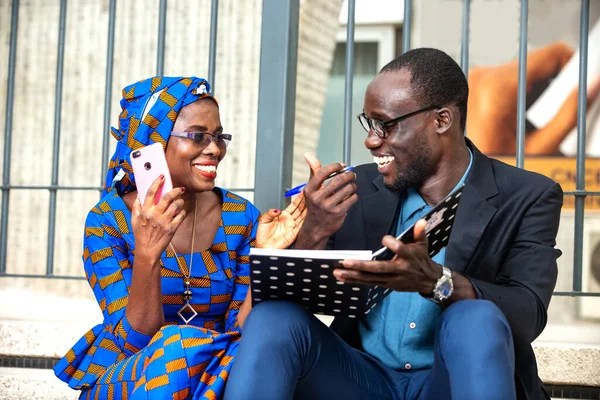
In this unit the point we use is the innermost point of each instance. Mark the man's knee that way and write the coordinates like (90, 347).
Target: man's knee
(468, 319)
(276, 321)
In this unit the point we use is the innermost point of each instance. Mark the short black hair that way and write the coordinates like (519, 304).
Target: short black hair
(436, 78)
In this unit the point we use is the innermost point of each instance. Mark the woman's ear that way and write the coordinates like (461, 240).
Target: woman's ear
(444, 119)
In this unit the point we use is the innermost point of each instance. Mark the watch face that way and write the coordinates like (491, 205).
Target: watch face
(445, 289)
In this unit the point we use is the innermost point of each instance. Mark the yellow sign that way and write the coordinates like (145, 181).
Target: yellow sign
(564, 171)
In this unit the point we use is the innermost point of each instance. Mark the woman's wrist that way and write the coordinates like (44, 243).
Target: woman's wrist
(146, 260)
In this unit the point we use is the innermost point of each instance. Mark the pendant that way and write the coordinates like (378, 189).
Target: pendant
(187, 297)
(190, 309)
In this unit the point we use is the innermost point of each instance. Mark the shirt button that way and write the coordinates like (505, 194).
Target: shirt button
(412, 325)
(407, 366)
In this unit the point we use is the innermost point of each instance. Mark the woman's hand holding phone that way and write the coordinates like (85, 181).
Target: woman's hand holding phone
(155, 222)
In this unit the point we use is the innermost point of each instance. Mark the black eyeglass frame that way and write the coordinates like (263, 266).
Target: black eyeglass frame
(389, 122)
(198, 137)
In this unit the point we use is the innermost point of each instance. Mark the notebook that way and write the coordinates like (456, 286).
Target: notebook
(306, 276)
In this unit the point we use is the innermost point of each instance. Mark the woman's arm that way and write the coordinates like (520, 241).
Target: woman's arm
(144, 309)
(278, 230)
(107, 269)
(154, 225)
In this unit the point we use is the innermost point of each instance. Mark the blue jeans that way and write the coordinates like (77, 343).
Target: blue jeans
(287, 353)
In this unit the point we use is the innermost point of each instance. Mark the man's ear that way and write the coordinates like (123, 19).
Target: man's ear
(444, 120)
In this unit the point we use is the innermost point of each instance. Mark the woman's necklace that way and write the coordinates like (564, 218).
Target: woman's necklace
(187, 293)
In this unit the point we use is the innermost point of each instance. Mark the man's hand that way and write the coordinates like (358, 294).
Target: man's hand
(326, 204)
(411, 269)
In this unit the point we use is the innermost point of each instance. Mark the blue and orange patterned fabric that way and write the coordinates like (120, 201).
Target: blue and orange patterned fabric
(149, 110)
(113, 360)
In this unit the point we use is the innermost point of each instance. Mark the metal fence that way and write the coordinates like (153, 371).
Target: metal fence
(276, 108)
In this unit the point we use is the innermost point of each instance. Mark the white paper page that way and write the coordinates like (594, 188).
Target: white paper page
(550, 102)
(315, 254)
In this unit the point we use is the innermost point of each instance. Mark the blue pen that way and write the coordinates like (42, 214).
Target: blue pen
(298, 189)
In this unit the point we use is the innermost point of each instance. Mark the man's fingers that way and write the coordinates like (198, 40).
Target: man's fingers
(345, 205)
(361, 277)
(339, 188)
(322, 175)
(374, 267)
(343, 193)
(394, 245)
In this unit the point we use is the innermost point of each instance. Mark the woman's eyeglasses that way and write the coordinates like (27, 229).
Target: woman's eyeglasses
(204, 138)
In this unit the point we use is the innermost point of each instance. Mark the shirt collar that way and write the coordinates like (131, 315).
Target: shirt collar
(413, 202)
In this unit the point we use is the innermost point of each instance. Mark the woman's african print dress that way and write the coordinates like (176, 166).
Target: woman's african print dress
(113, 360)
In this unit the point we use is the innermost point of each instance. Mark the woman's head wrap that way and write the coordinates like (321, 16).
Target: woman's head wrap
(149, 110)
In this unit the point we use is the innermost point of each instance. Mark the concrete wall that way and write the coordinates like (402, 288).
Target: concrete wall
(186, 53)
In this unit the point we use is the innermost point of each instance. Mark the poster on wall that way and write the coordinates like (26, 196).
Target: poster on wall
(551, 118)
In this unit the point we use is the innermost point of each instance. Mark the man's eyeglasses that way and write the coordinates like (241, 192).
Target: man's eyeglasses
(378, 125)
(204, 138)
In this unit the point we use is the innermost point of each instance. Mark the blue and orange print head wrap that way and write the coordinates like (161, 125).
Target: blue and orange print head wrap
(149, 110)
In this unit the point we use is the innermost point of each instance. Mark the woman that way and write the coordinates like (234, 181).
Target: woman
(171, 278)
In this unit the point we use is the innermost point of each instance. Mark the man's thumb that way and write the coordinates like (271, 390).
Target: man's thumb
(313, 163)
(419, 231)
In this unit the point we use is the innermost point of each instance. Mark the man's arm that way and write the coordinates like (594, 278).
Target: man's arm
(527, 277)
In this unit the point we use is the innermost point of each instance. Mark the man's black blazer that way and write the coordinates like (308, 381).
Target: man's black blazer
(503, 239)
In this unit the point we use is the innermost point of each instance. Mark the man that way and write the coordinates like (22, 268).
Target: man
(419, 343)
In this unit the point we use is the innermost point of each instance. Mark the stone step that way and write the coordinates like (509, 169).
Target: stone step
(573, 364)
(25, 383)
(568, 364)
(29, 383)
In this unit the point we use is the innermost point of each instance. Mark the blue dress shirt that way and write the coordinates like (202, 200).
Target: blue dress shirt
(400, 330)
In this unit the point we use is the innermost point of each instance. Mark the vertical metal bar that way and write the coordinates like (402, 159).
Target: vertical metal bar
(10, 97)
(522, 85)
(56, 142)
(276, 102)
(581, 126)
(464, 48)
(162, 31)
(112, 15)
(212, 49)
(349, 78)
(406, 26)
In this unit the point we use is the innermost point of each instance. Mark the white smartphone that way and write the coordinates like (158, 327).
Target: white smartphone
(149, 163)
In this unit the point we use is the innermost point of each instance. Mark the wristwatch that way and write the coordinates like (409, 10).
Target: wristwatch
(443, 287)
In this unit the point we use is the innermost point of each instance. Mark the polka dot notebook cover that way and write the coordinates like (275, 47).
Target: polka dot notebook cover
(306, 276)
